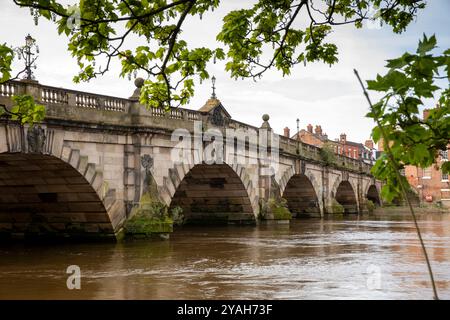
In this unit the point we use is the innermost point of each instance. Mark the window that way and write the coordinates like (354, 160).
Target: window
(444, 176)
(426, 173)
(402, 172)
(355, 154)
(444, 155)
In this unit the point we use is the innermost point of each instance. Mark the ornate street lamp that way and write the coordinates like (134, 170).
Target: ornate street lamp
(29, 52)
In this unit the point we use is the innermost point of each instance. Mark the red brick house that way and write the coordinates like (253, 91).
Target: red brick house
(318, 138)
(431, 184)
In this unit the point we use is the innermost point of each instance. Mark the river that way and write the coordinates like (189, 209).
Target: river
(376, 257)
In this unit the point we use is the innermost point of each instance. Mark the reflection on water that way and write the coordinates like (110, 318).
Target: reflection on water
(310, 259)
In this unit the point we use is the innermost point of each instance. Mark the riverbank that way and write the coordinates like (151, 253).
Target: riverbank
(404, 211)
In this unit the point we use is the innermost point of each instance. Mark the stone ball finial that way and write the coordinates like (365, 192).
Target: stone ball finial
(139, 82)
(265, 117)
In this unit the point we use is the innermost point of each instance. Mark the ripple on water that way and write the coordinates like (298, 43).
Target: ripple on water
(310, 259)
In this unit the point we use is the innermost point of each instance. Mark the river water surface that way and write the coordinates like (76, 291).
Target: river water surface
(350, 258)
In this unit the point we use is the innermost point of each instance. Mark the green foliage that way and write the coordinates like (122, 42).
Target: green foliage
(412, 140)
(176, 214)
(25, 110)
(172, 67)
(327, 153)
(277, 207)
(336, 207)
(150, 218)
(6, 57)
(370, 206)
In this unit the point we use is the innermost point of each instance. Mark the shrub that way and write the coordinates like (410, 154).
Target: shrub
(370, 206)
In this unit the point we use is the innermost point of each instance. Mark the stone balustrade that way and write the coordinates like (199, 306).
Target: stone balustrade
(56, 98)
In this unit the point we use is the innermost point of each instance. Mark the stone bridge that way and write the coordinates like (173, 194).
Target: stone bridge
(84, 169)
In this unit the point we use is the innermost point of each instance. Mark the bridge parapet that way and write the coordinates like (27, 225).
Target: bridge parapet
(310, 152)
(66, 104)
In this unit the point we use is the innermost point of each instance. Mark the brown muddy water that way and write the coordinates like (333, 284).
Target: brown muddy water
(350, 258)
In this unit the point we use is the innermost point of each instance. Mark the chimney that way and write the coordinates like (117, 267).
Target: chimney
(369, 144)
(287, 132)
(310, 128)
(318, 130)
(426, 113)
(343, 138)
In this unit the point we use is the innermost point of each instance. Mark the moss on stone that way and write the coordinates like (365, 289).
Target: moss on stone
(370, 206)
(150, 218)
(275, 209)
(281, 213)
(336, 207)
(141, 224)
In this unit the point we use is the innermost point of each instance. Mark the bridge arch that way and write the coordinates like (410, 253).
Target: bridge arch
(345, 195)
(307, 187)
(92, 208)
(212, 193)
(373, 195)
(301, 196)
(46, 196)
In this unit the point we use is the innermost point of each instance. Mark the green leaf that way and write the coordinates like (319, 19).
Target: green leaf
(426, 45)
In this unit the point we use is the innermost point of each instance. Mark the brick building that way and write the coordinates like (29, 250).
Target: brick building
(431, 184)
(355, 150)
(342, 146)
(316, 138)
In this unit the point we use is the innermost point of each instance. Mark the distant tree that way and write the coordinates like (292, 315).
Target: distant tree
(327, 153)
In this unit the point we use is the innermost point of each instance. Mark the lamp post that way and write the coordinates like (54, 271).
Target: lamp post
(29, 53)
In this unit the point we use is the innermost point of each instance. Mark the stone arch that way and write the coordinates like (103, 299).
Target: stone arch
(57, 175)
(45, 196)
(338, 181)
(288, 173)
(301, 196)
(373, 195)
(345, 195)
(211, 193)
(334, 187)
(316, 186)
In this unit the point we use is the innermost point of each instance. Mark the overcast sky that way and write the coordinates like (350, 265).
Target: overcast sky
(315, 93)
